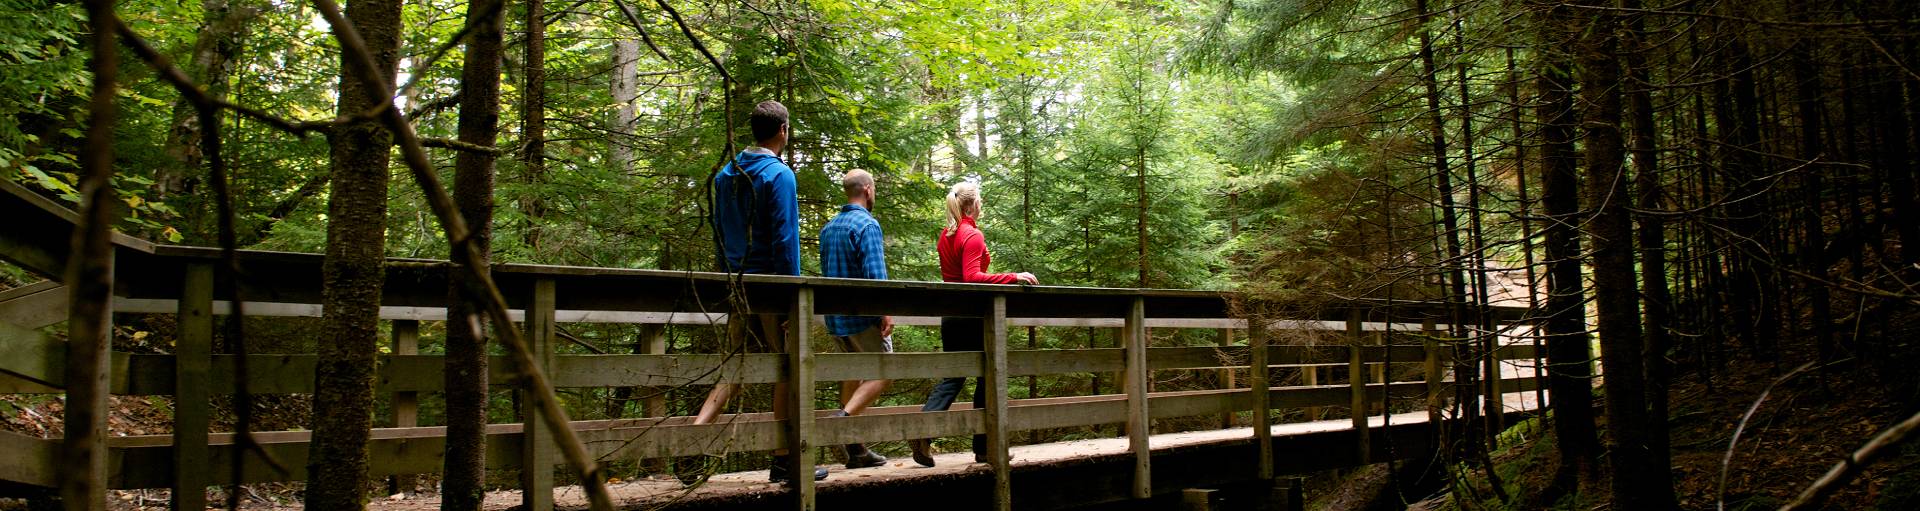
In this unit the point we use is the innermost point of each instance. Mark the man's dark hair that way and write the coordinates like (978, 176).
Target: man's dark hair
(766, 119)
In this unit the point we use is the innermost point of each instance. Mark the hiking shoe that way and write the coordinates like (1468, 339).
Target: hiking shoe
(778, 472)
(859, 457)
(921, 446)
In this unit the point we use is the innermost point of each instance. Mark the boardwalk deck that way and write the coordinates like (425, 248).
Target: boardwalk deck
(1031, 465)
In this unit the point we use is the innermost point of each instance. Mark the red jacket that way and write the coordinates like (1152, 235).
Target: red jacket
(964, 257)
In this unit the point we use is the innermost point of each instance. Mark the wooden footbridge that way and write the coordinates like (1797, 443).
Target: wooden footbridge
(1340, 376)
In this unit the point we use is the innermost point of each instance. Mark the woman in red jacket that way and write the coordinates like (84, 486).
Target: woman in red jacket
(963, 258)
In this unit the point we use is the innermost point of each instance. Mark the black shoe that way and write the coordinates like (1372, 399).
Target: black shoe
(859, 457)
(778, 472)
(921, 446)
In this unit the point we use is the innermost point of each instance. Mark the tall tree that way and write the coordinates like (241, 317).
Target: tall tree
(1635, 483)
(352, 272)
(466, 345)
(1569, 356)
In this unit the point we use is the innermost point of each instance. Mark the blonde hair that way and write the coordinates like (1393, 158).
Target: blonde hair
(963, 200)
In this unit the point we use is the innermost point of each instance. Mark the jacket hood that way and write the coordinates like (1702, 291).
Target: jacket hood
(751, 162)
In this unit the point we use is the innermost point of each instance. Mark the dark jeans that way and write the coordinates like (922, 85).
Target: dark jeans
(960, 334)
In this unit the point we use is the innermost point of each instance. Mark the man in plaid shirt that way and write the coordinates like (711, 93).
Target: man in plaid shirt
(852, 247)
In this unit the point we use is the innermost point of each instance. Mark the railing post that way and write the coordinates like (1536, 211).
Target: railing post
(536, 444)
(1433, 374)
(192, 362)
(654, 342)
(799, 398)
(1312, 376)
(1139, 423)
(1357, 379)
(1262, 398)
(406, 405)
(995, 378)
(1226, 378)
(1496, 396)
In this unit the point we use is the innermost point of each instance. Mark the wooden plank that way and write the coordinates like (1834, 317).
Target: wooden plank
(1262, 401)
(10, 384)
(1139, 422)
(406, 404)
(665, 370)
(1357, 378)
(895, 366)
(537, 452)
(1032, 362)
(799, 398)
(1225, 374)
(1432, 369)
(1192, 357)
(1111, 409)
(193, 358)
(36, 358)
(34, 306)
(1198, 499)
(29, 460)
(994, 376)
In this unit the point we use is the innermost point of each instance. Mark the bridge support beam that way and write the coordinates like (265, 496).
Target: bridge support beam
(799, 399)
(537, 449)
(192, 363)
(994, 367)
(1139, 421)
(406, 405)
(1257, 370)
(1357, 380)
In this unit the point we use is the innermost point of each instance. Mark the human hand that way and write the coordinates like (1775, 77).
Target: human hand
(1026, 278)
(886, 326)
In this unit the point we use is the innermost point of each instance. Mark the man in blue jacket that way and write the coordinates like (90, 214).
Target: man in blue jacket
(756, 220)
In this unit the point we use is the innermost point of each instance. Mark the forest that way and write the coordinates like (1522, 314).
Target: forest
(1702, 204)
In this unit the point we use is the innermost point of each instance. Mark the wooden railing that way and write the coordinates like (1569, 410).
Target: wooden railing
(160, 279)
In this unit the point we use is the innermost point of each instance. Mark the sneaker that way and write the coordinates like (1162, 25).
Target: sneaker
(778, 472)
(921, 454)
(858, 456)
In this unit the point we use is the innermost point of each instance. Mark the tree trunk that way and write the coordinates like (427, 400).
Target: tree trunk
(1569, 357)
(82, 469)
(222, 26)
(1657, 299)
(352, 273)
(1465, 369)
(1634, 483)
(466, 344)
(533, 122)
(624, 86)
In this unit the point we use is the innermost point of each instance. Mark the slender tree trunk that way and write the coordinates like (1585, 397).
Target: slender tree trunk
(466, 344)
(533, 122)
(89, 276)
(624, 86)
(222, 26)
(352, 273)
(1465, 368)
(1806, 77)
(1569, 355)
(1657, 300)
(1611, 231)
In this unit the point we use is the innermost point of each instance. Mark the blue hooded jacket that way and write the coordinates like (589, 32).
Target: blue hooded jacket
(755, 197)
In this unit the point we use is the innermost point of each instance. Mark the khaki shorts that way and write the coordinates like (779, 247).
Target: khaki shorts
(865, 341)
(760, 333)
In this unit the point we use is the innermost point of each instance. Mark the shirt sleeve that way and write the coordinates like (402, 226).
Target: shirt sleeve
(874, 248)
(786, 225)
(973, 263)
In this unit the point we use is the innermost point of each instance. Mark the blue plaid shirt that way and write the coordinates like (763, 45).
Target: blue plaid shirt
(851, 247)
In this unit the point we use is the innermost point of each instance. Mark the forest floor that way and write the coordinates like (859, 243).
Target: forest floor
(1807, 422)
